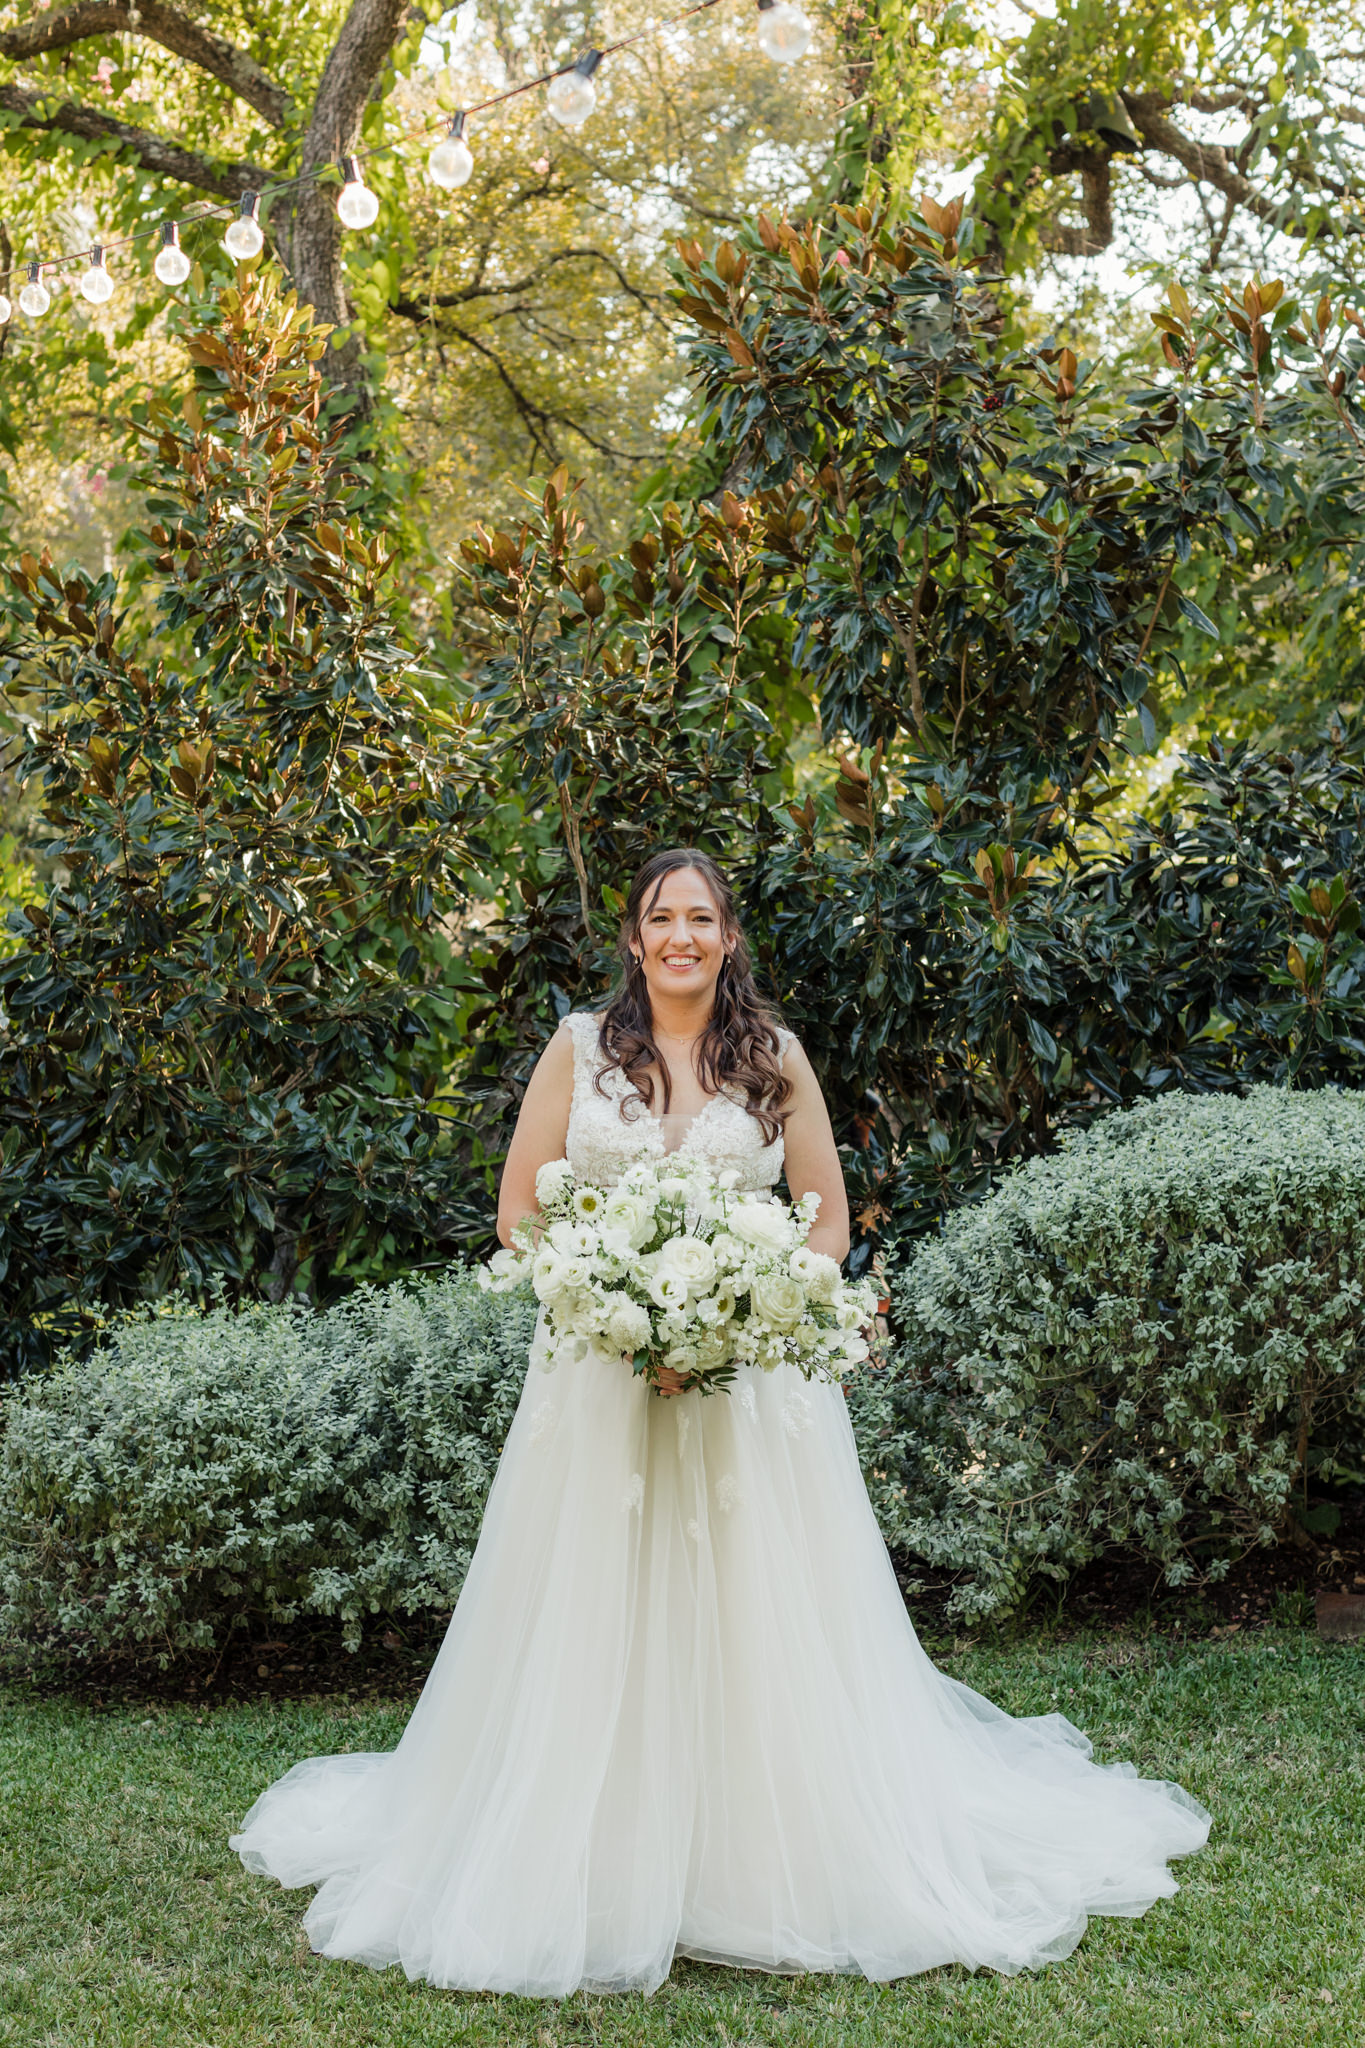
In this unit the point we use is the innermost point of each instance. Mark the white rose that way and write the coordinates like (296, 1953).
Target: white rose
(692, 1259)
(765, 1224)
(628, 1326)
(777, 1300)
(553, 1182)
(817, 1272)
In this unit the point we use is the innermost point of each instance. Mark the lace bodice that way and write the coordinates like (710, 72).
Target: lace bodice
(610, 1131)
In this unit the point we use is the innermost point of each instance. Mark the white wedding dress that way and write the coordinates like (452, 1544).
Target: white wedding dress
(681, 1710)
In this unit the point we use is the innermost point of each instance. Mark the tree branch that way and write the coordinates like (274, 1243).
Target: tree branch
(1211, 165)
(234, 68)
(153, 152)
(419, 309)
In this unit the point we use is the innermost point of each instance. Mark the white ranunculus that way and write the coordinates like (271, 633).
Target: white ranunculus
(669, 1289)
(628, 1326)
(777, 1300)
(765, 1224)
(553, 1182)
(628, 1215)
(547, 1274)
(817, 1272)
(692, 1259)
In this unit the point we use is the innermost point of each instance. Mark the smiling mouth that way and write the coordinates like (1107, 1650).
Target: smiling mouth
(680, 960)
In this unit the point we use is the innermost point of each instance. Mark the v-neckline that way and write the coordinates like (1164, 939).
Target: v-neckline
(692, 1123)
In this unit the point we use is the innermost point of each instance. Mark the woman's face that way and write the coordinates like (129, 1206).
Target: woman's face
(681, 942)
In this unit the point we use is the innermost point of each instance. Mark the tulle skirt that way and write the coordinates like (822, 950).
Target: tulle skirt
(681, 1710)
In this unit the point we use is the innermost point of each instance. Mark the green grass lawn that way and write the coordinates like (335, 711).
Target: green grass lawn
(123, 1918)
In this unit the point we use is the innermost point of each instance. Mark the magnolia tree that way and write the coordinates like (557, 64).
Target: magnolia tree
(217, 1054)
(973, 562)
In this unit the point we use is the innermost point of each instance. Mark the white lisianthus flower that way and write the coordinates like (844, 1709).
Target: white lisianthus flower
(854, 1347)
(692, 1259)
(807, 1337)
(777, 1300)
(576, 1271)
(573, 1240)
(553, 1182)
(668, 1289)
(817, 1272)
(588, 1204)
(848, 1311)
(682, 1358)
(547, 1275)
(628, 1326)
(765, 1224)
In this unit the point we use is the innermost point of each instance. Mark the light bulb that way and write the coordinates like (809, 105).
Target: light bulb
(244, 239)
(783, 32)
(35, 298)
(357, 206)
(450, 163)
(172, 265)
(96, 283)
(6, 309)
(572, 95)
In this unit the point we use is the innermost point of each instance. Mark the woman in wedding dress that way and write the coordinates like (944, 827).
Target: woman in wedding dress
(680, 1708)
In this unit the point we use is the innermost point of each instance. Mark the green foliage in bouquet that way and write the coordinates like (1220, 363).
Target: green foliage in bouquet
(1151, 1340)
(204, 1470)
(211, 1058)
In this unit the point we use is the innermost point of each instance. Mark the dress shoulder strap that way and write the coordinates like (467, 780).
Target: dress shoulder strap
(582, 1027)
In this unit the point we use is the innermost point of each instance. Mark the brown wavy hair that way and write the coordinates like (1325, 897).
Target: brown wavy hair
(739, 1048)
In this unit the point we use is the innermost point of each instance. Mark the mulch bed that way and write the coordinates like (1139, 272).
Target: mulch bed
(1268, 1588)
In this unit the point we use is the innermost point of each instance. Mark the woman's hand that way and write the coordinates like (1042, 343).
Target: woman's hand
(670, 1382)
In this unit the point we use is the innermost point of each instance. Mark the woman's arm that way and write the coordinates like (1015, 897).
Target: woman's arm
(541, 1132)
(812, 1156)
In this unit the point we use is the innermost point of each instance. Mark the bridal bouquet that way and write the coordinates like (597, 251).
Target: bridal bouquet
(672, 1268)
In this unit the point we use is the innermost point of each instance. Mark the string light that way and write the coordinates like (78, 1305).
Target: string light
(450, 163)
(357, 206)
(784, 34)
(244, 239)
(95, 282)
(35, 298)
(572, 94)
(172, 265)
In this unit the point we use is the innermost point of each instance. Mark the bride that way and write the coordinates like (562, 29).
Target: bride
(680, 1708)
